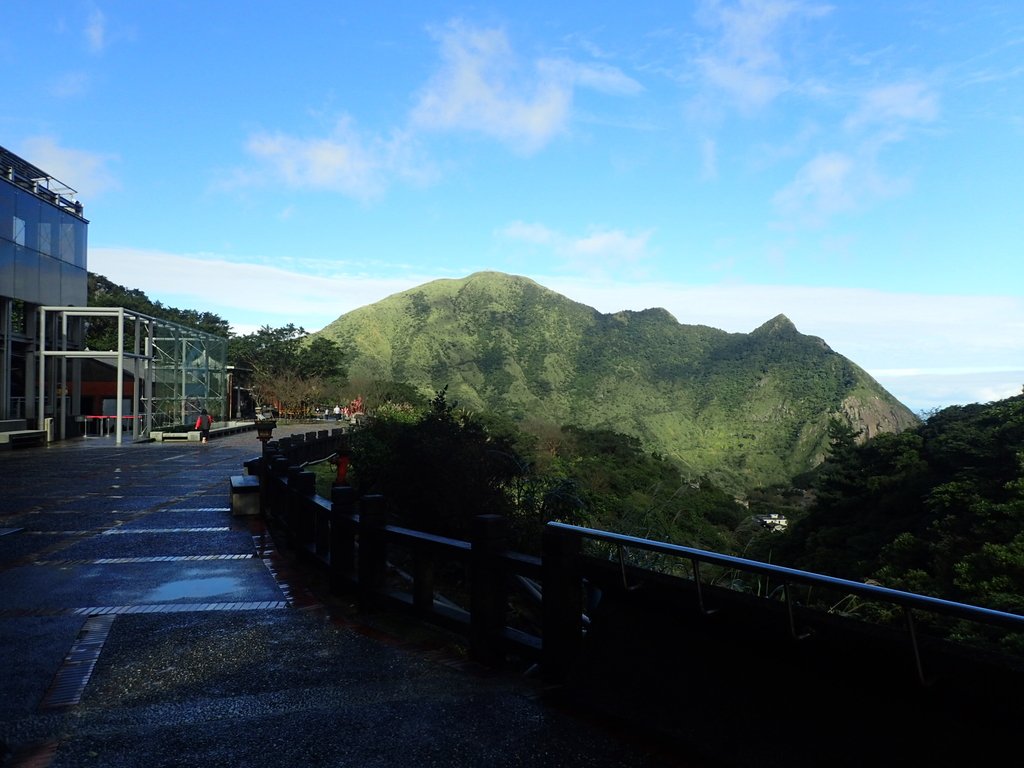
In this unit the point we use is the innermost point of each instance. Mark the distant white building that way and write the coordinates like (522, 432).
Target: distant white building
(773, 522)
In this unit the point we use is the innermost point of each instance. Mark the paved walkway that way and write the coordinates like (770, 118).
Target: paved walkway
(142, 625)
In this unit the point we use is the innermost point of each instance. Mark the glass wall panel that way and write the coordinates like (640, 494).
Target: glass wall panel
(67, 241)
(49, 226)
(189, 374)
(27, 209)
(81, 233)
(46, 239)
(26, 275)
(74, 286)
(7, 193)
(6, 267)
(49, 281)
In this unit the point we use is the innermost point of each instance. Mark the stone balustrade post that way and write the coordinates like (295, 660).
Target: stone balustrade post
(343, 538)
(562, 609)
(488, 589)
(373, 551)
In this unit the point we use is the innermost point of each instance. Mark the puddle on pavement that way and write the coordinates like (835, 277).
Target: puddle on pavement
(195, 588)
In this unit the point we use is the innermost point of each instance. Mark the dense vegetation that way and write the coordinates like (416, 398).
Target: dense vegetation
(287, 368)
(438, 466)
(936, 510)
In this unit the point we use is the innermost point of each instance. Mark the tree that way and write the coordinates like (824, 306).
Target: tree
(101, 333)
(289, 369)
(438, 471)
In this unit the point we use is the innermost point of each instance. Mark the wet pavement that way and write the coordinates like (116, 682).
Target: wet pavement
(141, 624)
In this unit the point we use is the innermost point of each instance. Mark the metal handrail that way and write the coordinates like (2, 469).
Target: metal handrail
(908, 601)
(884, 594)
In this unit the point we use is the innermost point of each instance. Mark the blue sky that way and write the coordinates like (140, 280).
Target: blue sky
(857, 166)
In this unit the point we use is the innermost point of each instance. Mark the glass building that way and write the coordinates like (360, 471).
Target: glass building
(155, 375)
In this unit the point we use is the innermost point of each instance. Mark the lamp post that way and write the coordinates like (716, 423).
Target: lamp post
(264, 429)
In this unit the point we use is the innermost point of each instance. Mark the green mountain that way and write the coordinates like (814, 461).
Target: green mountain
(745, 409)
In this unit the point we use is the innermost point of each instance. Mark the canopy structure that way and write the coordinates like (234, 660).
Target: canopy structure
(172, 371)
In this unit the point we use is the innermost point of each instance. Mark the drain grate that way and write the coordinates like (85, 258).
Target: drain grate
(76, 669)
(123, 531)
(242, 605)
(149, 559)
(115, 610)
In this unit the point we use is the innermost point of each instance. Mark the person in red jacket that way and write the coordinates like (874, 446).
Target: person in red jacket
(203, 424)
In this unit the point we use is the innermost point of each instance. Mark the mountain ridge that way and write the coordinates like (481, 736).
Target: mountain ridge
(744, 408)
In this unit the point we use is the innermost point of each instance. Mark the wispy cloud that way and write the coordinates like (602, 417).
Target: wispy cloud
(852, 178)
(895, 104)
(89, 172)
(743, 61)
(96, 31)
(824, 186)
(345, 161)
(69, 85)
(482, 86)
(708, 160)
(260, 295)
(600, 252)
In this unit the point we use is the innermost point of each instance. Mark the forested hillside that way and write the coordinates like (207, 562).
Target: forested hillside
(747, 410)
(938, 509)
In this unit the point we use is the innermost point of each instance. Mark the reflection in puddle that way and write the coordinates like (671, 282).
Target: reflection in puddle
(209, 587)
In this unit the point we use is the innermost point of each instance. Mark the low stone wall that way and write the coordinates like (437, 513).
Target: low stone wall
(192, 436)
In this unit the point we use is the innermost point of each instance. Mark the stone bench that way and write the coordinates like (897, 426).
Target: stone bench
(245, 495)
(192, 435)
(22, 437)
(163, 437)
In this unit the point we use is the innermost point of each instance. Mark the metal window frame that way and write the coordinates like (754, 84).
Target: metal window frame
(176, 368)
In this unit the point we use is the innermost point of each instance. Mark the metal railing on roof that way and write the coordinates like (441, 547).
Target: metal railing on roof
(38, 182)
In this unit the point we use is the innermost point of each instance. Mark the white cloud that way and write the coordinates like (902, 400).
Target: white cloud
(70, 84)
(840, 181)
(536, 234)
(824, 186)
(259, 294)
(598, 77)
(344, 161)
(477, 89)
(744, 62)
(833, 183)
(895, 104)
(87, 172)
(923, 391)
(483, 87)
(96, 31)
(609, 248)
(601, 252)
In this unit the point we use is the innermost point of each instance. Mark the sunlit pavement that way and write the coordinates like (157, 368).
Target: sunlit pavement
(143, 625)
